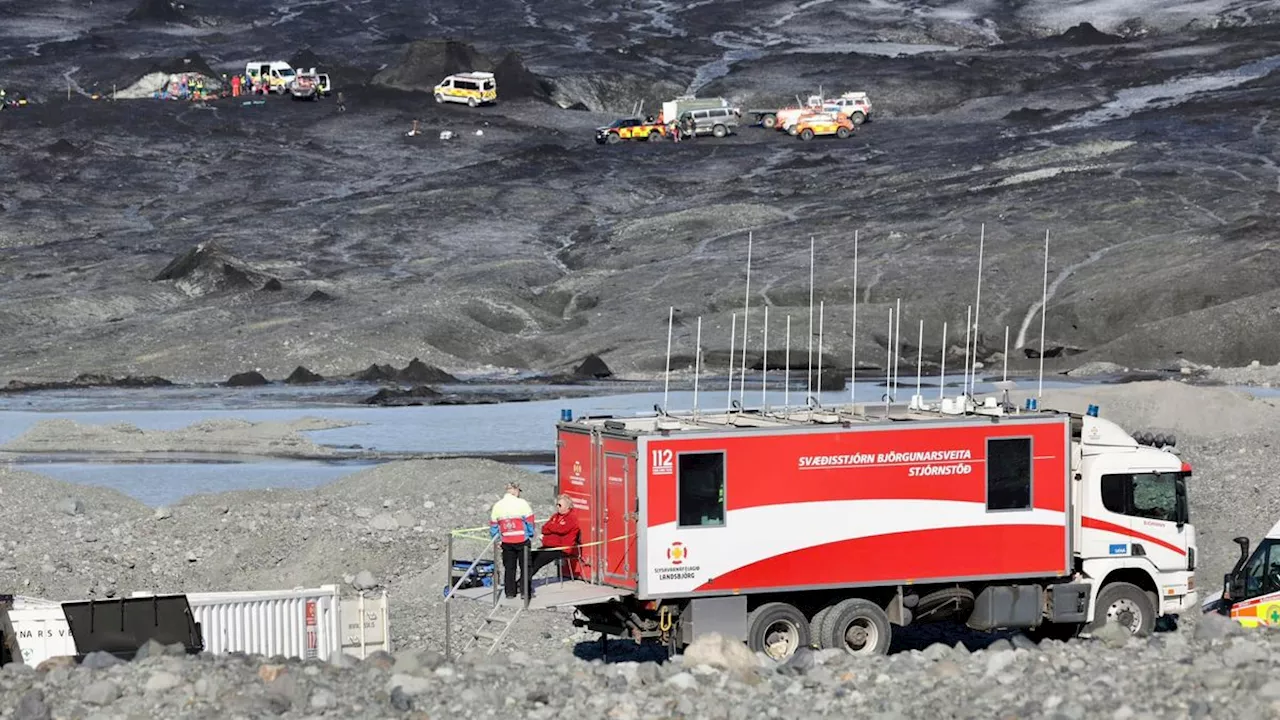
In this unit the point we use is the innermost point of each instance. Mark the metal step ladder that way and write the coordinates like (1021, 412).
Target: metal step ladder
(495, 627)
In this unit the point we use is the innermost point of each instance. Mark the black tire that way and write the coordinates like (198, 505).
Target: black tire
(859, 627)
(805, 135)
(791, 130)
(720, 131)
(815, 624)
(439, 98)
(769, 121)
(613, 138)
(1128, 605)
(858, 118)
(472, 102)
(842, 132)
(778, 630)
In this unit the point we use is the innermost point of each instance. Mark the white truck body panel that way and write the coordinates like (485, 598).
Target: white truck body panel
(39, 631)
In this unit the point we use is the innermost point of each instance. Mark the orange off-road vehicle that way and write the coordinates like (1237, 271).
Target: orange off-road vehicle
(811, 125)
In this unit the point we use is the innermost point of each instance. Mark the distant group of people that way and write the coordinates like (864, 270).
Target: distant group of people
(512, 521)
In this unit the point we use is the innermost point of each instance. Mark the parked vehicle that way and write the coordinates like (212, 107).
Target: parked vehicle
(834, 528)
(278, 73)
(309, 85)
(472, 88)
(857, 105)
(719, 122)
(1251, 591)
(811, 125)
(672, 110)
(631, 129)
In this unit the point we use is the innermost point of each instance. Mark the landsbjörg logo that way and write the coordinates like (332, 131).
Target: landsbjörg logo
(677, 553)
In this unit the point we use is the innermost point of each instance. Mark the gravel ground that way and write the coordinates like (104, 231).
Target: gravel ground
(222, 437)
(393, 520)
(1213, 670)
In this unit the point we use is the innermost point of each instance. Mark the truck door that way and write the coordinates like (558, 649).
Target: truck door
(1154, 506)
(619, 523)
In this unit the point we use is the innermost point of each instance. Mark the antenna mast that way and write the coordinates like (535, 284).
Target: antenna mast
(897, 347)
(786, 372)
(746, 310)
(666, 380)
(888, 364)
(853, 353)
(919, 363)
(697, 366)
(733, 337)
(1044, 302)
(818, 380)
(977, 306)
(764, 364)
(968, 320)
(809, 372)
(1006, 353)
(942, 367)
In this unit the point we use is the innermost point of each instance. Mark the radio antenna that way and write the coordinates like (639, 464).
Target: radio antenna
(746, 311)
(919, 362)
(897, 347)
(764, 364)
(818, 381)
(1044, 302)
(968, 325)
(888, 363)
(697, 366)
(786, 371)
(733, 336)
(666, 380)
(942, 367)
(853, 353)
(1005, 377)
(977, 306)
(809, 372)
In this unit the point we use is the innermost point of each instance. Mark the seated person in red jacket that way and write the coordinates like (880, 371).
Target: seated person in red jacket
(559, 536)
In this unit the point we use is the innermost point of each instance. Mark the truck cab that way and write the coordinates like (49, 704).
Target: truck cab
(1134, 524)
(1251, 591)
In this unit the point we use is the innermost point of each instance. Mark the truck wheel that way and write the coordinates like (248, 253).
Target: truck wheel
(806, 134)
(439, 98)
(472, 102)
(1126, 604)
(791, 130)
(857, 626)
(719, 131)
(769, 121)
(842, 132)
(612, 138)
(777, 629)
(858, 118)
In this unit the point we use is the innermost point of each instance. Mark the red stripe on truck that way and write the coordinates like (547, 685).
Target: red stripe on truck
(1093, 524)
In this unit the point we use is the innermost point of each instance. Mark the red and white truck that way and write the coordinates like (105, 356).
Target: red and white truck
(828, 528)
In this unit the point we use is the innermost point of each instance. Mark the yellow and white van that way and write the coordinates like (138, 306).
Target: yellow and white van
(278, 73)
(472, 88)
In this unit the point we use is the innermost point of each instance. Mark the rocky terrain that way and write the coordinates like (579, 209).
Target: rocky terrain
(1144, 143)
(1213, 671)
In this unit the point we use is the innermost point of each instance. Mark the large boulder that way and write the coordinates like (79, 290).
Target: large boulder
(400, 397)
(592, 367)
(246, 379)
(720, 651)
(302, 376)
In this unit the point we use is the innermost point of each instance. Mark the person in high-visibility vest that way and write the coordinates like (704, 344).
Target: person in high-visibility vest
(235, 86)
(511, 521)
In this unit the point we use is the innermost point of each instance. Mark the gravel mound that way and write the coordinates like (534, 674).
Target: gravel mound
(156, 11)
(427, 62)
(1212, 671)
(208, 268)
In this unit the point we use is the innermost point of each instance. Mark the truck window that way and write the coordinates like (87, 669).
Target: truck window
(1008, 473)
(700, 491)
(1154, 496)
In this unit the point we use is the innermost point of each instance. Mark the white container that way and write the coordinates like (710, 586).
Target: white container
(39, 631)
(365, 626)
(300, 623)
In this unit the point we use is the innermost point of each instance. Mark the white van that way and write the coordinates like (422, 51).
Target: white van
(472, 88)
(278, 74)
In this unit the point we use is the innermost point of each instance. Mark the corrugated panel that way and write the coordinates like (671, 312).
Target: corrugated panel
(270, 623)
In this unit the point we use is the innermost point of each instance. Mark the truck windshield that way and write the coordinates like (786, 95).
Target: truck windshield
(1155, 496)
(287, 73)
